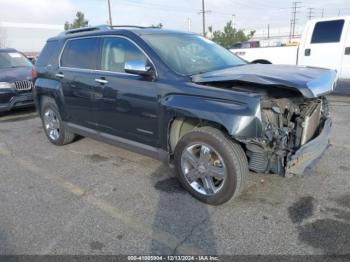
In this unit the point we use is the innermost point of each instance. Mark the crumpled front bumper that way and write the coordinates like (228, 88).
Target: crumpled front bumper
(309, 152)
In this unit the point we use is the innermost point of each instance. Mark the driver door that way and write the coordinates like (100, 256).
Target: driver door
(127, 103)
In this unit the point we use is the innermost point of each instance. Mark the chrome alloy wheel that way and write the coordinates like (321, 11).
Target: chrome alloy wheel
(52, 124)
(203, 168)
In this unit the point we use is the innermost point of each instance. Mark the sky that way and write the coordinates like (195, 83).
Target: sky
(249, 14)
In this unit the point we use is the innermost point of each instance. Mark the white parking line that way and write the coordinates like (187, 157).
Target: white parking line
(155, 233)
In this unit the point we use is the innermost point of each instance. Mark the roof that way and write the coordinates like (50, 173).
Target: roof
(113, 29)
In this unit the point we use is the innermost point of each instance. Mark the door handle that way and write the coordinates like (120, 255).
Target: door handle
(307, 52)
(101, 81)
(347, 50)
(60, 75)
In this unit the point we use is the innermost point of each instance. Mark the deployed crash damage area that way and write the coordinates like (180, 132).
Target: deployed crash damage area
(294, 124)
(288, 124)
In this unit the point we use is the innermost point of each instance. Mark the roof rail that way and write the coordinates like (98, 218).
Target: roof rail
(86, 29)
(133, 26)
(102, 28)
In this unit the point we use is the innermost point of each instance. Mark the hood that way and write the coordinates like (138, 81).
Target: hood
(310, 82)
(13, 74)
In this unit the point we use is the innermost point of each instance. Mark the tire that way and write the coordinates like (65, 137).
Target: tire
(230, 160)
(63, 136)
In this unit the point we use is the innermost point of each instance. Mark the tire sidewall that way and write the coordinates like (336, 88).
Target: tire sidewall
(230, 184)
(50, 105)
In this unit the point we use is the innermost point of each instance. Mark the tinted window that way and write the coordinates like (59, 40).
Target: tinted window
(46, 53)
(116, 51)
(327, 32)
(13, 59)
(80, 53)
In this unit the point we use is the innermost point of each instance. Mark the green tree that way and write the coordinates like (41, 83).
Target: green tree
(230, 35)
(78, 22)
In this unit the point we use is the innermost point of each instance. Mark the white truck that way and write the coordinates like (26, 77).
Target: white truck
(324, 43)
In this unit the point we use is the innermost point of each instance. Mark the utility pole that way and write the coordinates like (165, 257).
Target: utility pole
(189, 24)
(338, 12)
(110, 12)
(322, 13)
(234, 21)
(295, 9)
(310, 15)
(268, 31)
(203, 12)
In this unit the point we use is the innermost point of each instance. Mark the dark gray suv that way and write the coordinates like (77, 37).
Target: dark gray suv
(183, 99)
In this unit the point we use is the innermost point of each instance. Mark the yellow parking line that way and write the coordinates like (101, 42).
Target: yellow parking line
(155, 233)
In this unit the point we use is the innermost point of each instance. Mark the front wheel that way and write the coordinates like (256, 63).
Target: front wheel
(210, 166)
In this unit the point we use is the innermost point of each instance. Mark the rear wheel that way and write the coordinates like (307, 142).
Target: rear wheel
(210, 166)
(52, 123)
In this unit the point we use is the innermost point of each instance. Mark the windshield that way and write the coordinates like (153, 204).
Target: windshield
(13, 59)
(190, 54)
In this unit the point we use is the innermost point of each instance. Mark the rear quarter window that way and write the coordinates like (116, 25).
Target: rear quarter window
(47, 53)
(327, 32)
(80, 53)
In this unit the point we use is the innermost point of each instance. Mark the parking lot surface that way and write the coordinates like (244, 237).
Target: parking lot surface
(92, 198)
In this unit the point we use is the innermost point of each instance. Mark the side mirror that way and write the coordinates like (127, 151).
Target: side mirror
(138, 67)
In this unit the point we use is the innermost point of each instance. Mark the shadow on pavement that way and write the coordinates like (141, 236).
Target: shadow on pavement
(18, 114)
(342, 88)
(182, 216)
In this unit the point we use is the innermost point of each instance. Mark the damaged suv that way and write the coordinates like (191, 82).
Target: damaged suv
(185, 100)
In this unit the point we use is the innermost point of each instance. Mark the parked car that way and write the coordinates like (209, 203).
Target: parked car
(185, 100)
(16, 75)
(325, 43)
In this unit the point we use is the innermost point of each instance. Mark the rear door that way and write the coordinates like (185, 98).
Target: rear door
(76, 73)
(323, 46)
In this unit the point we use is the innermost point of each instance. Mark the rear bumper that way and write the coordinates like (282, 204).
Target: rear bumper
(12, 99)
(309, 152)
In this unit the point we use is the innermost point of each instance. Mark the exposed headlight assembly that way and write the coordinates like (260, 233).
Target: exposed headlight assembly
(5, 85)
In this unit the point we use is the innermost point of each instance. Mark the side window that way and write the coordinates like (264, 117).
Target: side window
(327, 32)
(116, 51)
(81, 53)
(47, 53)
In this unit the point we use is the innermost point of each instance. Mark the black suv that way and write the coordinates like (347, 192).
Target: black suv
(16, 74)
(183, 99)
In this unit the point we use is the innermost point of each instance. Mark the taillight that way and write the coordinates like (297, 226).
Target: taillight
(34, 74)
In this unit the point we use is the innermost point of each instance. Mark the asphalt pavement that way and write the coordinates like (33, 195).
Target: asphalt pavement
(92, 198)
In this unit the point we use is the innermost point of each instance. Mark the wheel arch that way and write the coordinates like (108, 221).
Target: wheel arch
(238, 120)
(52, 89)
(261, 61)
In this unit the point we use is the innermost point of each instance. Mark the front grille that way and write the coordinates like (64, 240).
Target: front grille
(23, 85)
